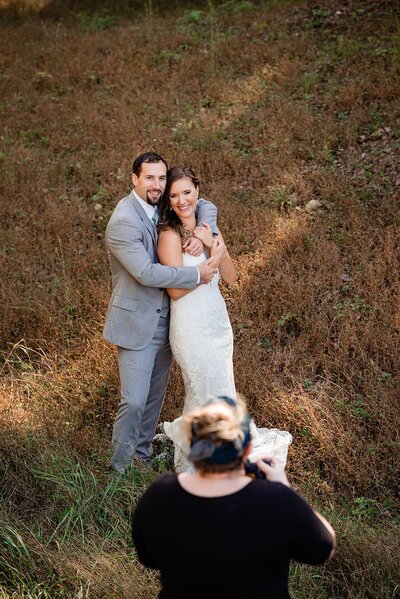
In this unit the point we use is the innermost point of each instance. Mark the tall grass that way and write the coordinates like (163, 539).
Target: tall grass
(274, 104)
(71, 536)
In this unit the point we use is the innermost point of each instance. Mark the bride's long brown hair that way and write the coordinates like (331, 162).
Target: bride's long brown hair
(168, 218)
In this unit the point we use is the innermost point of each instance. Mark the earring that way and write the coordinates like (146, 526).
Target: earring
(170, 209)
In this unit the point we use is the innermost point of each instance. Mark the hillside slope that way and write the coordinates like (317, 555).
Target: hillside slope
(275, 105)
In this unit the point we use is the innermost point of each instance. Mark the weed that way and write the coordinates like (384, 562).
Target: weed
(287, 319)
(364, 508)
(355, 304)
(166, 56)
(279, 196)
(308, 384)
(95, 21)
(243, 148)
(266, 343)
(307, 242)
(359, 411)
(367, 195)
(101, 195)
(309, 82)
(192, 16)
(32, 136)
(238, 6)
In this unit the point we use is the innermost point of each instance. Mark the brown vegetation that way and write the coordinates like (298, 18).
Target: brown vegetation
(275, 105)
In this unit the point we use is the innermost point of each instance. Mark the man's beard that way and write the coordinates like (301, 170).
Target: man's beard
(151, 200)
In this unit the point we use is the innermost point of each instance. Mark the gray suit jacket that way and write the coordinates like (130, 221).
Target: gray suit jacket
(138, 280)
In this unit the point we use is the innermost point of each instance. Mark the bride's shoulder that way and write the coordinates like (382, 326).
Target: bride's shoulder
(169, 236)
(168, 231)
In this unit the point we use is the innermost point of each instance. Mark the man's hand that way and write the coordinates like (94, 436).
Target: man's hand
(207, 271)
(193, 246)
(205, 235)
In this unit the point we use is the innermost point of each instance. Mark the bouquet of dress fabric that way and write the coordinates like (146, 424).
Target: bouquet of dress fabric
(271, 442)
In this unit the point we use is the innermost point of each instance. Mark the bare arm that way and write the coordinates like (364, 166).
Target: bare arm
(226, 265)
(329, 528)
(169, 251)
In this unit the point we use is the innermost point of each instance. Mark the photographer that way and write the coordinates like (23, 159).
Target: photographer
(217, 532)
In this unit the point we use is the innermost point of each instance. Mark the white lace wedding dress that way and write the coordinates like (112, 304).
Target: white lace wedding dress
(202, 343)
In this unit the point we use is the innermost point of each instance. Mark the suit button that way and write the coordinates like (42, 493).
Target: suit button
(158, 311)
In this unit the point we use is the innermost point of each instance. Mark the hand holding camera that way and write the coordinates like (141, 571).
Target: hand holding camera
(268, 468)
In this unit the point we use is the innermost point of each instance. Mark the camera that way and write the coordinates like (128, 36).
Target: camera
(252, 470)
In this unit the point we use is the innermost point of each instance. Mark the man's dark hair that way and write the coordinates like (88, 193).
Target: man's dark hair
(146, 157)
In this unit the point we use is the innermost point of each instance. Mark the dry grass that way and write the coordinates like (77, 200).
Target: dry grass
(274, 107)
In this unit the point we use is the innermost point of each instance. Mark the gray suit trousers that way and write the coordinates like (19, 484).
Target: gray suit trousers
(144, 378)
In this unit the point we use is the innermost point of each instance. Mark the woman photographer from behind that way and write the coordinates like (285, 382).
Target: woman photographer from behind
(217, 532)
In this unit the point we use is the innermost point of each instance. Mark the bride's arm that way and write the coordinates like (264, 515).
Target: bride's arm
(226, 266)
(169, 250)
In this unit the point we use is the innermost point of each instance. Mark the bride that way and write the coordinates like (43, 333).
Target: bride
(200, 335)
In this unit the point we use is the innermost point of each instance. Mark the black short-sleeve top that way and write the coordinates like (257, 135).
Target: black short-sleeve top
(236, 546)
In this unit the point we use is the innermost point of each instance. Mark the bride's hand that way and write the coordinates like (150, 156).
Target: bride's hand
(205, 235)
(218, 251)
(193, 246)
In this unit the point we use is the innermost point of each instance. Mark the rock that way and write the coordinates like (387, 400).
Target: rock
(97, 207)
(313, 205)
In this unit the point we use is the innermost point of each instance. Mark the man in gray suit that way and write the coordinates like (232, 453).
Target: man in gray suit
(137, 319)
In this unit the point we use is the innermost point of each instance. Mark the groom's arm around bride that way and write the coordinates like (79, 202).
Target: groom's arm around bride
(137, 318)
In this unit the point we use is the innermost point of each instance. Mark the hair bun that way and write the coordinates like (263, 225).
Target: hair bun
(218, 433)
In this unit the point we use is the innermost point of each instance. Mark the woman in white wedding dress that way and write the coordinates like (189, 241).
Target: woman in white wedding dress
(200, 331)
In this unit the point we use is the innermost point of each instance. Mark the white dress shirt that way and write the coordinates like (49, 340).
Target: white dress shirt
(148, 208)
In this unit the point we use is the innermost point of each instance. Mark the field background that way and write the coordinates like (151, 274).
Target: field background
(275, 104)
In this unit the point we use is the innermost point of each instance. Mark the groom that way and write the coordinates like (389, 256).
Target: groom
(137, 319)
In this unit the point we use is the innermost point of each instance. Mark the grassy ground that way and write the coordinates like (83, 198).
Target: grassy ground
(275, 104)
